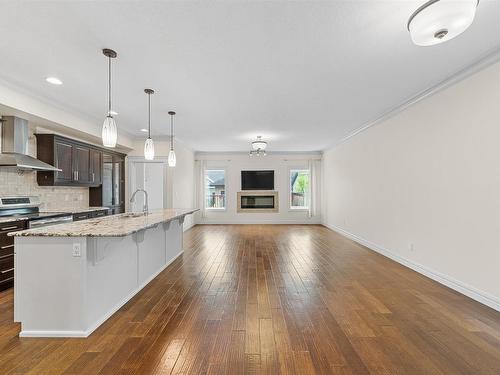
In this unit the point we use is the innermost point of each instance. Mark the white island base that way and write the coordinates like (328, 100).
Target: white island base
(68, 286)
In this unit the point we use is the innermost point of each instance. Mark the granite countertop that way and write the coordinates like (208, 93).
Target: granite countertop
(108, 226)
(7, 219)
(77, 210)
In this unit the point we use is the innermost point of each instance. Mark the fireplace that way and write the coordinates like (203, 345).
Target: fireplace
(258, 201)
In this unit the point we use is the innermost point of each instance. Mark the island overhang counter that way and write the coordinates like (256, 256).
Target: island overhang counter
(70, 278)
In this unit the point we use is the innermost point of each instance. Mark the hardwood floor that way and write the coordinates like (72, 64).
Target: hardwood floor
(274, 299)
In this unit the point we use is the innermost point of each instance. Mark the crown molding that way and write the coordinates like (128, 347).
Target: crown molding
(479, 64)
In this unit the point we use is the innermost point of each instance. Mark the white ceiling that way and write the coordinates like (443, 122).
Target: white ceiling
(302, 74)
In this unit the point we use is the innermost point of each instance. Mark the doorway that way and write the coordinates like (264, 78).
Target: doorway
(152, 177)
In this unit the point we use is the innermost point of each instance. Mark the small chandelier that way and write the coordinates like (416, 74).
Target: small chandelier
(149, 147)
(258, 147)
(438, 21)
(109, 130)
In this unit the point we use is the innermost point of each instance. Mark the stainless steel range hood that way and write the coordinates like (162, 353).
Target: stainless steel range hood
(15, 147)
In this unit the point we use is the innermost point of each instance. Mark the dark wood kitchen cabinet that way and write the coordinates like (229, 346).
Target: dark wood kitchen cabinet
(80, 163)
(7, 252)
(62, 160)
(95, 174)
(111, 192)
(89, 215)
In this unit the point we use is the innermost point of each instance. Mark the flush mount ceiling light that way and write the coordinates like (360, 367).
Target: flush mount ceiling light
(438, 21)
(149, 147)
(54, 80)
(172, 159)
(109, 130)
(144, 130)
(258, 147)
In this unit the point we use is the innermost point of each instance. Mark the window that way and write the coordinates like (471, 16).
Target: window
(215, 189)
(299, 189)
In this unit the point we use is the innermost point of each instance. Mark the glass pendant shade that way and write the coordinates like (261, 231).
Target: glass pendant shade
(438, 21)
(172, 160)
(149, 149)
(109, 132)
(259, 145)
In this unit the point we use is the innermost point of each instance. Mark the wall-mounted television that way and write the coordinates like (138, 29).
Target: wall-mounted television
(257, 180)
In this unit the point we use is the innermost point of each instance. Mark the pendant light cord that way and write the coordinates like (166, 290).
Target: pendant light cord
(149, 115)
(171, 132)
(109, 86)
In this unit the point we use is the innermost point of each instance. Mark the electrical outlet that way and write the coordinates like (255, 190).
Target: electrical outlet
(411, 246)
(77, 250)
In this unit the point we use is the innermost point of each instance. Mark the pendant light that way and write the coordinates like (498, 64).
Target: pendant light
(109, 130)
(437, 21)
(171, 155)
(149, 147)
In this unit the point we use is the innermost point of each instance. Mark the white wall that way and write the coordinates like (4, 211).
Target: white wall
(55, 119)
(183, 188)
(234, 163)
(428, 176)
(180, 179)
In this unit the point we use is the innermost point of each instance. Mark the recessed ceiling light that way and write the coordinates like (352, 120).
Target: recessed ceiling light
(144, 130)
(54, 80)
(440, 20)
(113, 113)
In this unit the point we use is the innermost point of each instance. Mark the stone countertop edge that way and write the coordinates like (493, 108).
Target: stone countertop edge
(11, 219)
(115, 225)
(76, 210)
(7, 219)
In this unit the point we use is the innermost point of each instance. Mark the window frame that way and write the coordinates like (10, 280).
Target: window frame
(298, 208)
(216, 209)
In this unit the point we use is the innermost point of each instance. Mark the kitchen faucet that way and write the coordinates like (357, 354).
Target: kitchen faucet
(145, 208)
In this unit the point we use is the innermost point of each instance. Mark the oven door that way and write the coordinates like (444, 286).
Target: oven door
(38, 223)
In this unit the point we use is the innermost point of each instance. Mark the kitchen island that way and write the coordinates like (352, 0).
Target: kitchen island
(70, 278)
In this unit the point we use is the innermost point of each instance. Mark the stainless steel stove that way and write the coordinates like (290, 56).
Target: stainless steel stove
(28, 207)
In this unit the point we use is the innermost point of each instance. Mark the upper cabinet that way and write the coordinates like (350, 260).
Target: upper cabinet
(81, 164)
(111, 192)
(95, 171)
(62, 159)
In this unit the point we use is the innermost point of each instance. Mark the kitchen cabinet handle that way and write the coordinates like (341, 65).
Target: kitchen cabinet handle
(7, 228)
(6, 247)
(5, 271)
(93, 177)
(74, 175)
(77, 175)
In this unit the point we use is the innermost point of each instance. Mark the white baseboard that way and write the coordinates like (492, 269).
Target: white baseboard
(252, 222)
(477, 295)
(118, 306)
(52, 334)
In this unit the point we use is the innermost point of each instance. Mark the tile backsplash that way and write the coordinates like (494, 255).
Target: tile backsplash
(15, 183)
